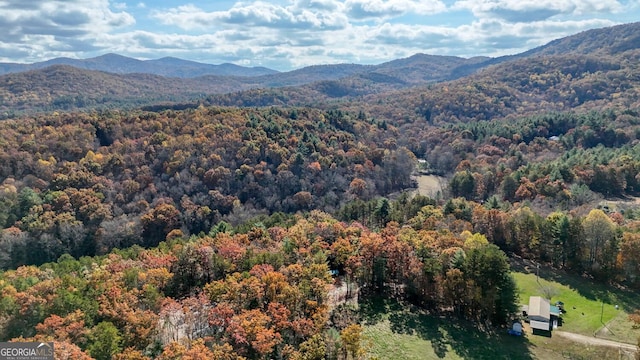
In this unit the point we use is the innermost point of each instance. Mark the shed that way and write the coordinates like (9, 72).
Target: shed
(516, 329)
(539, 313)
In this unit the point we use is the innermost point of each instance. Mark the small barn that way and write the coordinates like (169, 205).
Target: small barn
(539, 313)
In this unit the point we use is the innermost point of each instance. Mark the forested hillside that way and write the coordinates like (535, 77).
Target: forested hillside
(96, 178)
(578, 71)
(521, 87)
(259, 294)
(591, 70)
(63, 87)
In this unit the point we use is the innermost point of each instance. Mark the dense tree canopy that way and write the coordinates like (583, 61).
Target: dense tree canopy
(261, 294)
(99, 181)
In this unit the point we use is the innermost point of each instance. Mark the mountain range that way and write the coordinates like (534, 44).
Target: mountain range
(112, 80)
(118, 64)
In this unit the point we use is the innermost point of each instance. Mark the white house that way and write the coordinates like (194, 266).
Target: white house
(539, 313)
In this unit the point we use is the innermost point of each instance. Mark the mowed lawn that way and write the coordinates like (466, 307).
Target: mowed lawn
(583, 315)
(387, 344)
(401, 331)
(589, 305)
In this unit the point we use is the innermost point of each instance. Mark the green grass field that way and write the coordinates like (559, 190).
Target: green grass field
(583, 315)
(400, 331)
(589, 305)
(397, 332)
(620, 328)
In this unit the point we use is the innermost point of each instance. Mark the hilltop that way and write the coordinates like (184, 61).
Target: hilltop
(118, 64)
(590, 58)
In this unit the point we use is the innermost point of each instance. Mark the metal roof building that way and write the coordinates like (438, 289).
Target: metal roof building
(539, 313)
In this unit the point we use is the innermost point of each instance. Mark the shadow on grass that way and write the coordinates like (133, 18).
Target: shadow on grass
(445, 334)
(591, 289)
(544, 333)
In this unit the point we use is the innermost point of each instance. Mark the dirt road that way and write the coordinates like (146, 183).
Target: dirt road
(589, 340)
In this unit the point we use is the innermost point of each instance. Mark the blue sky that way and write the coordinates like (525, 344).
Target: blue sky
(288, 34)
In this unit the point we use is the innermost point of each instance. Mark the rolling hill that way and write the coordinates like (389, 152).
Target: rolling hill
(589, 69)
(67, 87)
(518, 87)
(573, 73)
(118, 64)
(62, 87)
(604, 41)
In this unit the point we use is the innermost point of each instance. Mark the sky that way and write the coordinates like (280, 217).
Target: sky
(289, 34)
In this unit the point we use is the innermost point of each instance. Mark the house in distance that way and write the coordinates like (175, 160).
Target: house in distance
(541, 315)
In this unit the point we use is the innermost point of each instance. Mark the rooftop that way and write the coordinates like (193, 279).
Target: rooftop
(539, 306)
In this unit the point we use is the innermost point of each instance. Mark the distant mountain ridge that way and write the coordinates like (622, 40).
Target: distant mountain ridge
(603, 41)
(167, 66)
(66, 87)
(606, 41)
(594, 69)
(583, 56)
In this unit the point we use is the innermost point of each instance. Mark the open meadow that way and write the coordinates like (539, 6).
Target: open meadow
(398, 331)
(590, 306)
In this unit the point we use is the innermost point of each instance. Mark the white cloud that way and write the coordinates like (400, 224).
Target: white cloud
(496, 37)
(384, 9)
(536, 10)
(47, 28)
(294, 33)
(319, 5)
(257, 14)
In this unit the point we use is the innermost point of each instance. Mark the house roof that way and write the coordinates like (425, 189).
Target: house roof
(539, 306)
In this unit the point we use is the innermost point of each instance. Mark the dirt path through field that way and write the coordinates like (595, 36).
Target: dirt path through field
(589, 340)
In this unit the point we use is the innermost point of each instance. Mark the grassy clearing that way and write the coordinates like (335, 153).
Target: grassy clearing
(387, 344)
(557, 347)
(589, 305)
(398, 331)
(583, 315)
(620, 328)
(429, 185)
(395, 331)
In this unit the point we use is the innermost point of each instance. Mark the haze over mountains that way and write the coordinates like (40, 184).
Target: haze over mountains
(167, 66)
(114, 80)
